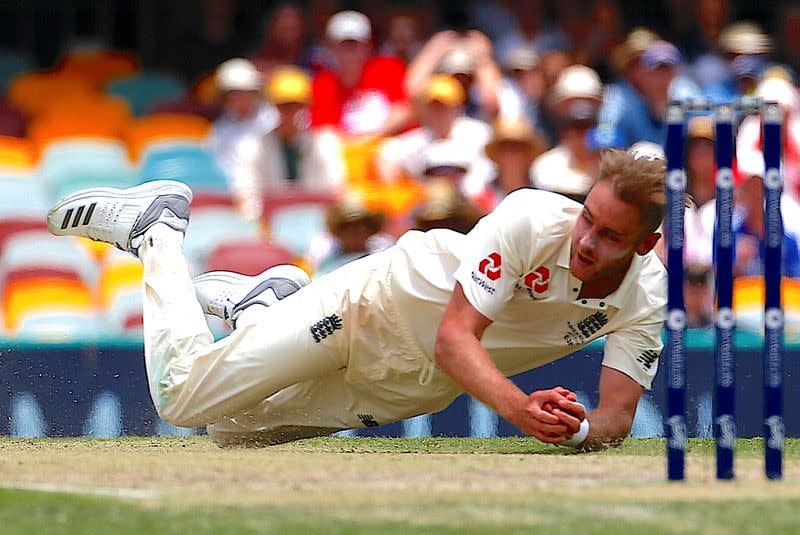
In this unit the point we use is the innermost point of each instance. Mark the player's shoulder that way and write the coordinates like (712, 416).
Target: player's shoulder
(541, 203)
(651, 281)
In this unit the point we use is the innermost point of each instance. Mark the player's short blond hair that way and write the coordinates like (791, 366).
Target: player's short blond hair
(636, 180)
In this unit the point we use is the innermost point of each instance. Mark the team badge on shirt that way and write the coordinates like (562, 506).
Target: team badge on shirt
(490, 266)
(537, 282)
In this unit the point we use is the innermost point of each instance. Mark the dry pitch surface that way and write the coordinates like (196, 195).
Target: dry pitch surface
(361, 485)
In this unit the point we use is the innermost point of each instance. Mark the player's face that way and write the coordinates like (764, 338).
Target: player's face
(607, 235)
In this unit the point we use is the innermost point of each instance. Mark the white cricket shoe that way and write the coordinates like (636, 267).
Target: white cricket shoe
(226, 294)
(122, 216)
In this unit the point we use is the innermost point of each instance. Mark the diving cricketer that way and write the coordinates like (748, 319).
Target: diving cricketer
(405, 331)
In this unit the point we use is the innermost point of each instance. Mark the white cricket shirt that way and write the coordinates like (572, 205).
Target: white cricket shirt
(514, 269)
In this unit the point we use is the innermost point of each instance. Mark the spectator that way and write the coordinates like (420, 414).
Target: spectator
(284, 41)
(444, 207)
(604, 35)
(531, 31)
(572, 166)
(442, 114)
(640, 115)
(361, 94)
(698, 296)
(748, 139)
(730, 71)
(291, 155)
(208, 44)
(522, 87)
(513, 149)
(468, 59)
(354, 231)
(701, 186)
(246, 117)
(403, 40)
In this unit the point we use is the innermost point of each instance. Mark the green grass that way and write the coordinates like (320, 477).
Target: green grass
(377, 485)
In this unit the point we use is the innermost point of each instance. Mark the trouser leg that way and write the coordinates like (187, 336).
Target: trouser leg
(195, 381)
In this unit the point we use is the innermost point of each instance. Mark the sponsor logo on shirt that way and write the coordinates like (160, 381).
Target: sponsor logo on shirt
(586, 328)
(490, 266)
(537, 282)
(326, 327)
(482, 283)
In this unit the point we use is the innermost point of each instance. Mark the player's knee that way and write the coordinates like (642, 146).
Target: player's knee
(180, 416)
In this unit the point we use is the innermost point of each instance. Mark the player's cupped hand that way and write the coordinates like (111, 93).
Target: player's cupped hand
(545, 418)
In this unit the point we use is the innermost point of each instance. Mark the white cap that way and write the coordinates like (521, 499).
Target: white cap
(349, 26)
(457, 61)
(647, 150)
(238, 75)
(578, 81)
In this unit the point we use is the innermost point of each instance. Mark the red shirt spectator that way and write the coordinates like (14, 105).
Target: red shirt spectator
(360, 94)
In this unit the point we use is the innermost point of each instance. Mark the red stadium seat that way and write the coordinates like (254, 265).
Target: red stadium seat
(249, 258)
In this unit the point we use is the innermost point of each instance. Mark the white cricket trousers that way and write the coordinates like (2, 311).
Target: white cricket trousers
(334, 355)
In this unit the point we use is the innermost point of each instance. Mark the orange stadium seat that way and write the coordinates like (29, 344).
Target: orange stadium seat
(120, 273)
(99, 67)
(360, 160)
(31, 92)
(164, 127)
(17, 154)
(50, 128)
(38, 295)
(105, 107)
(748, 302)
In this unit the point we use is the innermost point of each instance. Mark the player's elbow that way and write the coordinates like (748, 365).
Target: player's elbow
(445, 348)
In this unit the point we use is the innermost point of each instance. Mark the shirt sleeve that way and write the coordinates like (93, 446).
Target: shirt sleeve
(326, 106)
(635, 351)
(494, 255)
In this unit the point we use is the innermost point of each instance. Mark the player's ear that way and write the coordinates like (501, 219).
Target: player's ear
(648, 242)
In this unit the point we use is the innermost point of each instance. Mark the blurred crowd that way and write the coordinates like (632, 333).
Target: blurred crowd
(408, 126)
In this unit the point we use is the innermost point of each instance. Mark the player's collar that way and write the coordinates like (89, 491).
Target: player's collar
(619, 297)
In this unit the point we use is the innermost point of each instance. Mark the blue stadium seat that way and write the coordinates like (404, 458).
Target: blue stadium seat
(294, 226)
(145, 90)
(188, 163)
(68, 166)
(22, 197)
(59, 326)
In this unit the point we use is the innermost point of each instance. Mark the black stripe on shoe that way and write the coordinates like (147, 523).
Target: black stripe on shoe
(67, 216)
(78, 214)
(89, 213)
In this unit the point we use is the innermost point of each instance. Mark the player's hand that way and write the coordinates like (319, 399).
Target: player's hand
(535, 420)
(569, 411)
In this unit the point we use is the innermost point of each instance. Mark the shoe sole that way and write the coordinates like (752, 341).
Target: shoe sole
(142, 191)
(283, 271)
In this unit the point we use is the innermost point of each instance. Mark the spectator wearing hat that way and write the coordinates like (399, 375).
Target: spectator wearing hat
(353, 231)
(638, 113)
(245, 118)
(468, 59)
(445, 208)
(571, 167)
(513, 149)
(360, 94)
(442, 114)
(522, 87)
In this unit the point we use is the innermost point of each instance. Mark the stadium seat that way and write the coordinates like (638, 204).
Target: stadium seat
(23, 206)
(68, 166)
(31, 92)
(88, 122)
(16, 154)
(58, 325)
(120, 273)
(165, 128)
(748, 303)
(12, 64)
(144, 90)
(98, 107)
(13, 122)
(99, 67)
(45, 297)
(248, 257)
(191, 164)
(210, 228)
(39, 249)
(294, 226)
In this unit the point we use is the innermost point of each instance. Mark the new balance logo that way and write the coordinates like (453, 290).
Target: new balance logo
(326, 327)
(78, 214)
(647, 358)
(368, 420)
